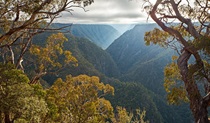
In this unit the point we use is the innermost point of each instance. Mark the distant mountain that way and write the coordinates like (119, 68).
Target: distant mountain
(94, 61)
(127, 59)
(88, 53)
(121, 28)
(101, 35)
(129, 47)
(145, 64)
(138, 62)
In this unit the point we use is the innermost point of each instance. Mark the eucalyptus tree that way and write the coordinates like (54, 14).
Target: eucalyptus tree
(79, 99)
(185, 28)
(21, 20)
(20, 102)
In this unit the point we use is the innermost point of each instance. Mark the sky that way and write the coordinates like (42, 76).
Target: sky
(107, 12)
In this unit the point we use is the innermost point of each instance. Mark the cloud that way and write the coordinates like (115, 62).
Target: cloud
(107, 11)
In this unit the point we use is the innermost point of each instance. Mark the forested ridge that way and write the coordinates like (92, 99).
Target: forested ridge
(130, 92)
(90, 61)
(137, 88)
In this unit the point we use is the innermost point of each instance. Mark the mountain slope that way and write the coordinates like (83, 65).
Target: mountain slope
(86, 51)
(124, 92)
(91, 60)
(101, 35)
(95, 61)
(129, 48)
(145, 64)
(137, 61)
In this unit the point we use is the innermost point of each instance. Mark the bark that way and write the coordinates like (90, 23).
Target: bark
(36, 78)
(23, 51)
(12, 55)
(197, 104)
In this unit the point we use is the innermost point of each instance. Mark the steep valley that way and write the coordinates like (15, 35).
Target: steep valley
(132, 68)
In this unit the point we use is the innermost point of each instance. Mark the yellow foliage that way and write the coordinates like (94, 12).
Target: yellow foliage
(48, 57)
(81, 99)
(174, 58)
(173, 85)
(123, 116)
(163, 38)
(156, 36)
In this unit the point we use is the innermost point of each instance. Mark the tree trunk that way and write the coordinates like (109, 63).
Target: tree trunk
(197, 105)
(7, 118)
(202, 115)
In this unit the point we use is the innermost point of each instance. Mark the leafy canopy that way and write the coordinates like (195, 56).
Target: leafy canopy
(79, 100)
(19, 99)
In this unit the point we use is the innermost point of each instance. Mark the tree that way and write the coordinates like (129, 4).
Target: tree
(51, 58)
(19, 100)
(21, 20)
(185, 27)
(79, 100)
(122, 116)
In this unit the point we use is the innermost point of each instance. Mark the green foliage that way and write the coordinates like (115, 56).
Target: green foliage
(77, 99)
(190, 39)
(18, 98)
(176, 92)
(132, 96)
(140, 117)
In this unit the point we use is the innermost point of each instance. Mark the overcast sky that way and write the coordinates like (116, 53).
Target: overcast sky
(108, 12)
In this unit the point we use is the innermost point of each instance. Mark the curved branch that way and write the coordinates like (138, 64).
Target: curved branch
(164, 27)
